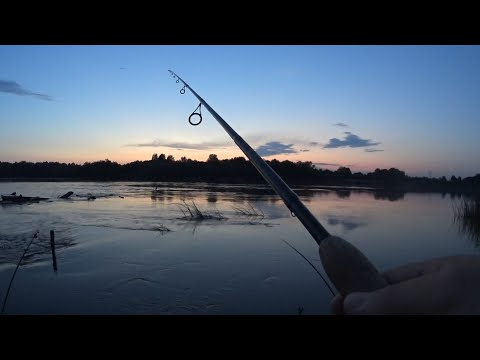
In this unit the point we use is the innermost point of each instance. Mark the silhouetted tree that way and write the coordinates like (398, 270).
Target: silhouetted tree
(235, 170)
(239, 159)
(390, 173)
(170, 158)
(154, 157)
(344, 171)
(212, 157)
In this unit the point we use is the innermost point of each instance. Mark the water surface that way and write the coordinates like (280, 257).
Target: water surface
(131, 251)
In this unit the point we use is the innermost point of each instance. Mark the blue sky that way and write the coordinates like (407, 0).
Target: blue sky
(416, 108)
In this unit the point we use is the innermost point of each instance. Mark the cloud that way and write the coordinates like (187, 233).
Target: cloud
(351, 140)
(373, 150)
(182, 145)
(11, 87)
(313, 143)
(340, 124)
(325, 164)
(275, 148)
(304, 150)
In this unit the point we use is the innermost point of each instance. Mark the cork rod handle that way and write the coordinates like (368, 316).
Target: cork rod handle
(348, 268)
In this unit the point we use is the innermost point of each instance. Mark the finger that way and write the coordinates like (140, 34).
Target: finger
(410, 271)
(336, 305)
(428, 294)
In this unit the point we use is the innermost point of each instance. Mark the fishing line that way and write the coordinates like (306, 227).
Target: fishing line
(13, 276)
(313, 266)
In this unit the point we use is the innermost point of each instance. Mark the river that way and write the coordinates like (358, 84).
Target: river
(132, 250)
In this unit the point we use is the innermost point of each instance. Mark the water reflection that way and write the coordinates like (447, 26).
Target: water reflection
(166, 192)
(110, 264)
(157, 197)
(467, 217)
(388, 195)
(347, 224)
(13, 246)
(343, 194)
(212, 197)
(216, 192)
(454, 195)
(162, 195)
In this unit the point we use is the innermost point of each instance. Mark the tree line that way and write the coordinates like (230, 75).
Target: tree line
(234, 170)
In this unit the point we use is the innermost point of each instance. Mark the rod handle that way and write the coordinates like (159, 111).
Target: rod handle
(348, 268)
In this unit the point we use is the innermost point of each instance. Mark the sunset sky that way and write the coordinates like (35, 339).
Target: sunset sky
(416, 108)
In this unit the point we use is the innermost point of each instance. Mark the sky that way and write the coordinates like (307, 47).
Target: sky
(415, 108)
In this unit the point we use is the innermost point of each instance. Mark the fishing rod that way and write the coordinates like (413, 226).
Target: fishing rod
(346, 266)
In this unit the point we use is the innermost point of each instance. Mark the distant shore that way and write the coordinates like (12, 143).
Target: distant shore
(230, 171)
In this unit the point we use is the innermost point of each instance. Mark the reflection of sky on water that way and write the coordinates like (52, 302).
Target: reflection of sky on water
(113, 258)
(346, 223)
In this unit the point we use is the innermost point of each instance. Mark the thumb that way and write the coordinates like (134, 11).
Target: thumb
(427, 294)
(356, 303)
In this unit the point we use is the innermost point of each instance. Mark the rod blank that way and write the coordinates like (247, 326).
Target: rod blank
(290, 199)
(346, 266)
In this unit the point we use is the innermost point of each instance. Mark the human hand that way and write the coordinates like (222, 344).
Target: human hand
(448, 285)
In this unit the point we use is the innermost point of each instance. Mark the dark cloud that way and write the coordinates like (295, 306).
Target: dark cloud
(373, 150)
(304, 150)
(313, 143)
(340, 124)
(182, 145)
(11, 87)
(351, 140)
(275, 148)
(325, 164)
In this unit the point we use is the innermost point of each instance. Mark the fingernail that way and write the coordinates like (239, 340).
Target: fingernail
(354, 303)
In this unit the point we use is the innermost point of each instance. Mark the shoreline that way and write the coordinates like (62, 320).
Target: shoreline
(402, 189)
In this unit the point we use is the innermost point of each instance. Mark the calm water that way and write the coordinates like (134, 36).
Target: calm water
(113, 257)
